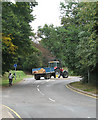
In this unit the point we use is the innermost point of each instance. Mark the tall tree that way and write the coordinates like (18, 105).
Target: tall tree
(79, 20)
(15, 22)
(75, 41)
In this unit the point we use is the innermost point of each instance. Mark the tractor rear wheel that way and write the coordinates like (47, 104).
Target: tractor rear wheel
(65, 74)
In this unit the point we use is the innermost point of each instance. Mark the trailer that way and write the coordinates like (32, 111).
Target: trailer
(54, 69)
(47, 73)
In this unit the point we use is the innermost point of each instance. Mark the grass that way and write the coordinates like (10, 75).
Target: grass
(20, 75)
(85, 87)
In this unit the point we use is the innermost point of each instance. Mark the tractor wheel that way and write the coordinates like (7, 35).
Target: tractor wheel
(47, 76)
(65, 74)
(37, 77)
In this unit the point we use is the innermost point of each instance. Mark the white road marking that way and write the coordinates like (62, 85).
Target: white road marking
(40, 91)
(52, 100)
(48, 85)
(50, 80)
(47, 81)
(88, 117)
(43, 93)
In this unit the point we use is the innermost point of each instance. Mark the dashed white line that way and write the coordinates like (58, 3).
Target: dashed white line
(52, 100)
(47, 85)
(40, 91)
(44, 94)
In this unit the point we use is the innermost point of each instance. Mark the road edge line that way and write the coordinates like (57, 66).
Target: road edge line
(13, 112)
(80, 92)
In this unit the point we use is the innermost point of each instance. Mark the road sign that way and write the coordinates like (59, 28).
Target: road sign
(15, 65)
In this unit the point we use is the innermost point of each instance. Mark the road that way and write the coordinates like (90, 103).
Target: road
(48, 99)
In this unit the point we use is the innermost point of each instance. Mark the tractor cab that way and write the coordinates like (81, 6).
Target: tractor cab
(58, 69)
(54, 64)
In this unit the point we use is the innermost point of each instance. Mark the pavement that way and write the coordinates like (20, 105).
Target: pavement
(6, 113)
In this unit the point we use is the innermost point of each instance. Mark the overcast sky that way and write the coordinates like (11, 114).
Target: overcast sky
(47, 12)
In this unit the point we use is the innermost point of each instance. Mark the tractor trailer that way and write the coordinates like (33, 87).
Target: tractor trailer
(54, 69)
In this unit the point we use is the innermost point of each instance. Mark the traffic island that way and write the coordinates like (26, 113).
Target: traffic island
(83, 89)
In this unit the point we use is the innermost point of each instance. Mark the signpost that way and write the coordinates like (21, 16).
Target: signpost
(15, 65)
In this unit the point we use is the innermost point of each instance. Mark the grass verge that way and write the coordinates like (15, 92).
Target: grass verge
(20, 75)
(85, 87)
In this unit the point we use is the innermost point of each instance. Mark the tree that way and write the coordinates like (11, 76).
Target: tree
(82, 16)
(15, 22)
(52, 39)
(75, 41)
(32, 61)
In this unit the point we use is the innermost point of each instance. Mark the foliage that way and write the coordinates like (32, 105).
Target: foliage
(75, 41)
(52, 39)
(16, 33)
(8, 45)
(46, 55)
(33, 61)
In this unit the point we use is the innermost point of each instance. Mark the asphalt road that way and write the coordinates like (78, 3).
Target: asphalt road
(48, 99)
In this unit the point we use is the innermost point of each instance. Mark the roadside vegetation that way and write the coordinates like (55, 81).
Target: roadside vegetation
(20, 75)
(85, 87)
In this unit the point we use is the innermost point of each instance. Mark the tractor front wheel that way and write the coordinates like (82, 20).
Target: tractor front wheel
(57, 73)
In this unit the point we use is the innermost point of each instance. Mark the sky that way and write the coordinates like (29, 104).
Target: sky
(47, 12)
